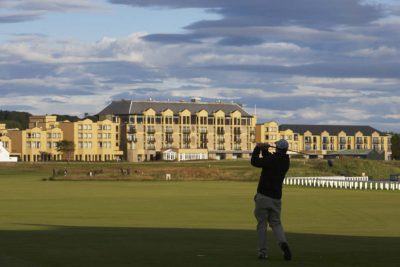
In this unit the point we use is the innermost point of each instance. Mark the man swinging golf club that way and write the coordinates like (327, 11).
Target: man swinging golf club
(269, 193)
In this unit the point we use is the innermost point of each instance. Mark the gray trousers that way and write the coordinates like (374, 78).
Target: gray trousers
(268, 210)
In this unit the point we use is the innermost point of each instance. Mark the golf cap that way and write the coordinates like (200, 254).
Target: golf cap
(282, 144)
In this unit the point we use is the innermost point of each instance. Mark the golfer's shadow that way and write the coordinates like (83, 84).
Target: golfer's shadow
(100, 246)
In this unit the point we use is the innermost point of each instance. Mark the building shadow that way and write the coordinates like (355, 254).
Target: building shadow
(65, 246)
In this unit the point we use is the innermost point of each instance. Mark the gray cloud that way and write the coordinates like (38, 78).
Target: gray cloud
(345, 70)
(173, 38)
(19, 17)
(28, 10)
(17, 108)
(270, 12)
(52, 100)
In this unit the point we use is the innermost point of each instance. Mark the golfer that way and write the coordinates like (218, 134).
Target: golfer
(269, 193)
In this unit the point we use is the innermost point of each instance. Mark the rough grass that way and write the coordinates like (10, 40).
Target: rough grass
(234, 170)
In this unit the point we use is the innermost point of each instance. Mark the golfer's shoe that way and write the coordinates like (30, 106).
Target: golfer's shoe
(262, 255)
(287, 254)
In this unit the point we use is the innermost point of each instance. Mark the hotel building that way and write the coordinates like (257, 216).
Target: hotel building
(182, 130)
(4, 138)
(38, 142)
(322, 140)
(94, 141)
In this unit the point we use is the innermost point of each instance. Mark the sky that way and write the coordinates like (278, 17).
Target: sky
(303, 61)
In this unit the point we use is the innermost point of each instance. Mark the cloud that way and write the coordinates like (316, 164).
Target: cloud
(173, 38)
(19, 17)
(27, 10)
(380, 52)
(298, 61)
(274, 13)
(333, 69)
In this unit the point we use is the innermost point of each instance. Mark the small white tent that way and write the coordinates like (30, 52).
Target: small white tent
(5, 155)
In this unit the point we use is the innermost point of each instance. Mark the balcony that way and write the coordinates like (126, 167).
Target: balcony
(169, 140)
(167, 146)
(203, 130)
(220, 131)
(221, 140)
(150, 146)
(237, 139)
(151, 130)
(169, 130)
(132, 130)
(186, 141)
(186, 130)
(219, 147)
(237, 147)
(132, 138)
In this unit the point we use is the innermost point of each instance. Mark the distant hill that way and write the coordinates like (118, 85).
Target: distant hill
(17, 119)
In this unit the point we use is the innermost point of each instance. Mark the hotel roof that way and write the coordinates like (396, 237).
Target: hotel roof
(126, 107)
(331, 129)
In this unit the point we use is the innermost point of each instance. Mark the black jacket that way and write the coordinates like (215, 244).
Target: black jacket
(274, 168)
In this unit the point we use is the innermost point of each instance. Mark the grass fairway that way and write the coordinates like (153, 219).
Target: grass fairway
(203, 223)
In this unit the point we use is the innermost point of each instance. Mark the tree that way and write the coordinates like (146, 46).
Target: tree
(66, 147)
(396, 146)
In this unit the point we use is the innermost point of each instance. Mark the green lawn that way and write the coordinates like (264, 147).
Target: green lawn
(186, 223)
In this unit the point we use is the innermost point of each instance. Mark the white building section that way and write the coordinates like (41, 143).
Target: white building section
(5, 155)
(169, 155)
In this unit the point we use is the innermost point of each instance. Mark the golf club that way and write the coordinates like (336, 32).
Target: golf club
(329, 161)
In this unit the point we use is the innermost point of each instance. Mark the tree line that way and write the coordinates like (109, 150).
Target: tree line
(20, 120)
(395, 146)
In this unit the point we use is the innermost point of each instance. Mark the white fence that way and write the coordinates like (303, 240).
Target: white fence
(342, 182)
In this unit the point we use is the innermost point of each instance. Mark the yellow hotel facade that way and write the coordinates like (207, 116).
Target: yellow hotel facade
(4, 138)
(38, 142)
(93, 141)
(182, 130)
(151, 130)
(322, 140)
